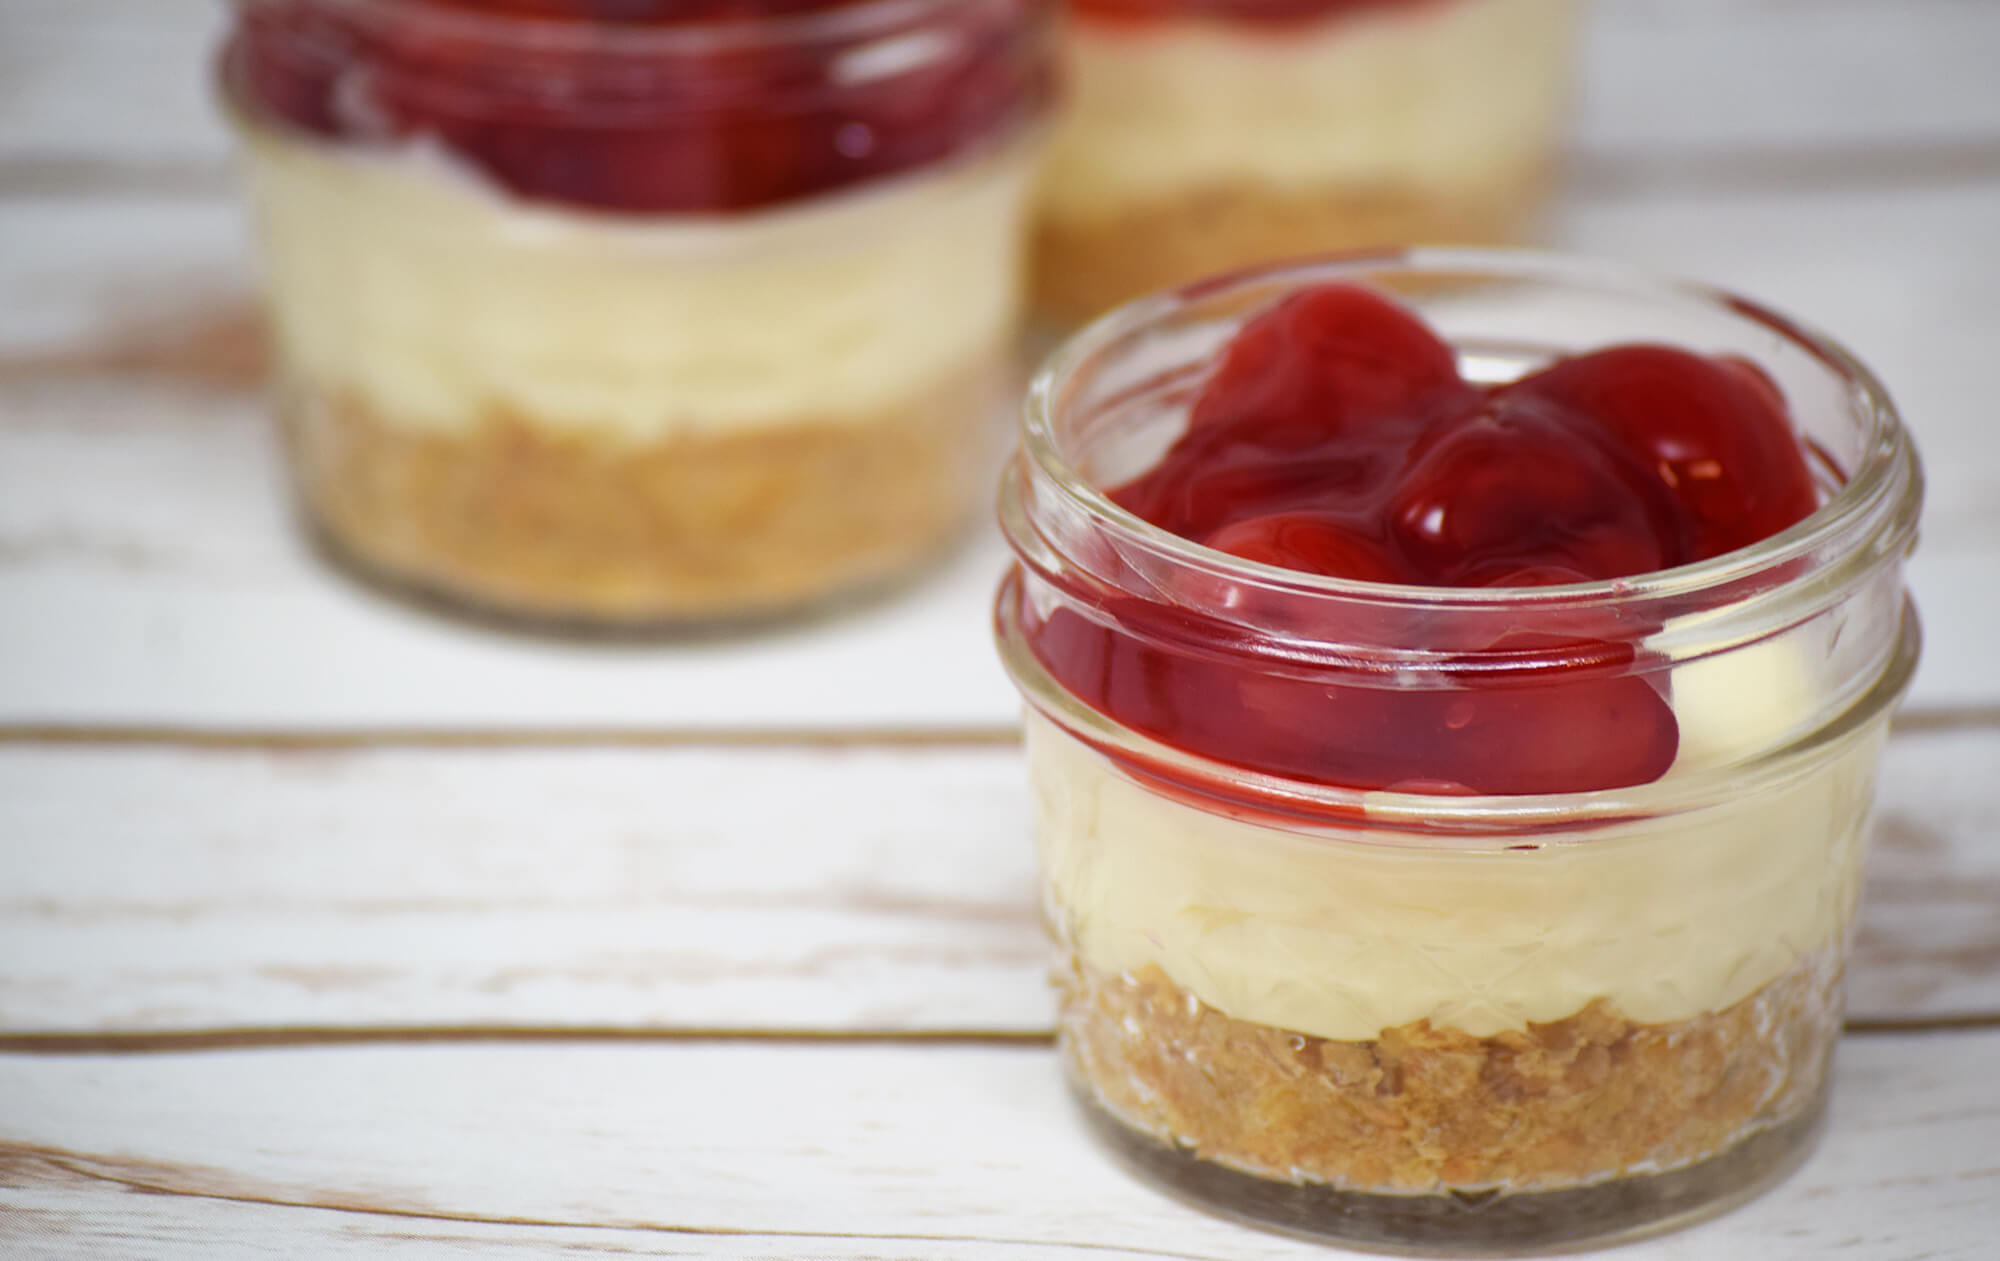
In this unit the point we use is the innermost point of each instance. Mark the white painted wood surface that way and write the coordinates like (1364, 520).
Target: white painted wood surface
(161, 889)
(799, 1151)
(176, 591)
(1839, 158)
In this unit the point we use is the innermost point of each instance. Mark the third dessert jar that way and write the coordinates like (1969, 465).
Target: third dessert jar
(1204, 135)
(1453, 721)
(625, 313)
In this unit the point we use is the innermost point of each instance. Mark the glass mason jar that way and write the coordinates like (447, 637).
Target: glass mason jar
(1205, 135)
(643, 320)
(1368, 1003)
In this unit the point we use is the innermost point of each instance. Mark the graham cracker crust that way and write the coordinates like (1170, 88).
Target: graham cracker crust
(1480, 1224)
(1082, 268)
(1421, 1111)
(579, 530)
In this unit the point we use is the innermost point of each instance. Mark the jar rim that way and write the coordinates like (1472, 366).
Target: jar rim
(858, 20)
(1882, 490)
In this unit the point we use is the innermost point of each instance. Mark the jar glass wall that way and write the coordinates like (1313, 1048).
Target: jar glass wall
(1374, 1004)
(604, 323)
(1205, 135)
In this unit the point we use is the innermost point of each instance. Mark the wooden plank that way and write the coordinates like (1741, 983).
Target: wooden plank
(114, 94)
(633, 888)
(96, 1220)
(798, 1151)
(146, 538)
(151, 890)
(177, 592)
(119, 84)
(90, 282)
(1786, 77)
(1928, 937)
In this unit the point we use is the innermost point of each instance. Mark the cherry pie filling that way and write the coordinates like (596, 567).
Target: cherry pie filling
(1337, 437)
(566, 101)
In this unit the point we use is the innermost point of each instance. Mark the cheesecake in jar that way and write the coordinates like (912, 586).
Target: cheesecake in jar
(1452, 725)
(621, 315)
(1200, 136)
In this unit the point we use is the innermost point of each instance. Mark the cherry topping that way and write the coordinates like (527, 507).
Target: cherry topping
(1510, 488)
(1302, 540)
(1229, 472)
(1329, 358)
(1568, 730)
(1713, 431)
(581, 101)
(1336, 437)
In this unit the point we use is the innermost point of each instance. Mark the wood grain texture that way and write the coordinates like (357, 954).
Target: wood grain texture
(690, 888)
(146, 535)
(162, 889)
(772, 1151)
(1786, 78)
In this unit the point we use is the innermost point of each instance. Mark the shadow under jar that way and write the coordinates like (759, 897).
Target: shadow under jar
(1308, 977)
(1201, 136)
(697, 313)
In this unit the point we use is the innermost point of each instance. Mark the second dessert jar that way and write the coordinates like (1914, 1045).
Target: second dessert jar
(1204, 135)
(644, 320)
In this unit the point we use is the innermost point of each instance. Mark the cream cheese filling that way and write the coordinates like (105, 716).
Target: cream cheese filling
(1346, 932)
(438, 302)
(1435, 99)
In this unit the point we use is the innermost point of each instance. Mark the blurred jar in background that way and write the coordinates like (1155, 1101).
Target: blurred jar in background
(1205, 135)
(635, 313)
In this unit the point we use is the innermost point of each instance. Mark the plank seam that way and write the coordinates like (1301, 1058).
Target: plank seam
(255, 740)
(202, 1041)
(1894, 164)
(191, 1041)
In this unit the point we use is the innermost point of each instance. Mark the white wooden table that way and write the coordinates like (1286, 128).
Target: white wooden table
(330, 929)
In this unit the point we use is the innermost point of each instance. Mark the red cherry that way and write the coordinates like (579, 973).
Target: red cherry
(1226, 473)
(1331, 356)
(1309, 543)
(1516, 487)
(1713, 431)
(1568, 729)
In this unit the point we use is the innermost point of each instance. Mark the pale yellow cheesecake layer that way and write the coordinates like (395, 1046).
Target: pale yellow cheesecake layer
(401, 282)
(1443, 99)
(1350, 931)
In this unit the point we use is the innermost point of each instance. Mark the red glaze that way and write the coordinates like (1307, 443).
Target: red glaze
(1336, 437)
(1331, 359)
(1307, 541)
(1510, 487)
(563, 100)
(1713, 431)
(1577, 726)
